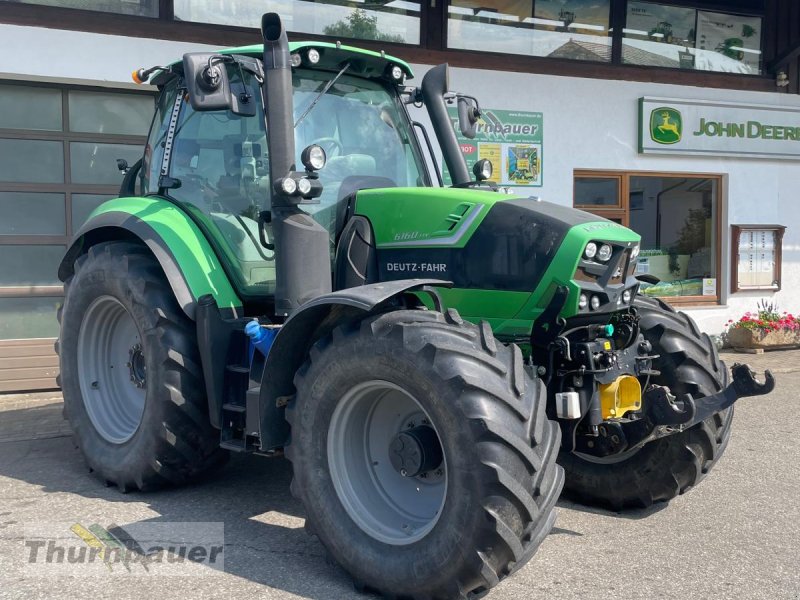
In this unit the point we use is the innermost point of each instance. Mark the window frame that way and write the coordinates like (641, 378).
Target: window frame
(681, 301)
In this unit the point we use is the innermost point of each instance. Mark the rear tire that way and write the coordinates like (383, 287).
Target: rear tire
(130, 372)
(667, 467)
(488, 413)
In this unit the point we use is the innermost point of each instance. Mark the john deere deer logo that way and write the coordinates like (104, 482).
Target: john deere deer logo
(666, 126)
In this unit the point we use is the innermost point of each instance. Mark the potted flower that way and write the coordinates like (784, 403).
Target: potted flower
(766, 328)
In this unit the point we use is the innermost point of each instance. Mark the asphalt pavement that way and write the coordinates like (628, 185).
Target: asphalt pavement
(734, 536)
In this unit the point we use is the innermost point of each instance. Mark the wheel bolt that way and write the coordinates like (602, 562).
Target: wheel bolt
(403, 472)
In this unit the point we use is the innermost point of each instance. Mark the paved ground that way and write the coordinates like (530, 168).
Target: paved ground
(735, 536)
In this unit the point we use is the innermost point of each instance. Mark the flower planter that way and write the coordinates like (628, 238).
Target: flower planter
(758, 338)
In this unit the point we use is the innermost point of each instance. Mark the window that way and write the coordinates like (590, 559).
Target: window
(59, 148)
(221, 161)
(661, 35)
(141, 8)
(678, 219)
(576, 29)
(394, 21)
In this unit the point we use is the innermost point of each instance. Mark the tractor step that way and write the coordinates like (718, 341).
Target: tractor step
(234, 445)
(234, 408)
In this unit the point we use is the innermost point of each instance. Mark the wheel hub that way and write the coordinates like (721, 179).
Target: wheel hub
(415, 451)
(136, 366)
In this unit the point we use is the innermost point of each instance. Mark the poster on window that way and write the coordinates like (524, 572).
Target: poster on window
(757, 258)
(735, 37)
(511, 140)
(660, 24)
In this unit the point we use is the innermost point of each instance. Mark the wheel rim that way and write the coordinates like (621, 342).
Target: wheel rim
(111, 369)
(363, 433)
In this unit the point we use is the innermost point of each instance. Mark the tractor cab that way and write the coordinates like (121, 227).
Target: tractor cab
(212, 157)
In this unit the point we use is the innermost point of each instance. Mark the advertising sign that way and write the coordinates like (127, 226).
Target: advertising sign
(512, 140)
(697, 127)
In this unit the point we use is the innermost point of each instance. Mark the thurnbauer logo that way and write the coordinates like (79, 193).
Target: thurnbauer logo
(666, 126)
(113, 546)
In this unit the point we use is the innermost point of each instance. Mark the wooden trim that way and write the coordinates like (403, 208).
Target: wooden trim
(28, 385)
(736, 233)
(25, 291)
(208, 33)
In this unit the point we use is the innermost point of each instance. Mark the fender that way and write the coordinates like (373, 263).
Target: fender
(185, 255)
(309, 323)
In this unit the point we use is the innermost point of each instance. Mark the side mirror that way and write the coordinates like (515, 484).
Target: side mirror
(207, 81)
(468, 113)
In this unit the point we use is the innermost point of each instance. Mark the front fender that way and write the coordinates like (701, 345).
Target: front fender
(185, 255)
(308, 324)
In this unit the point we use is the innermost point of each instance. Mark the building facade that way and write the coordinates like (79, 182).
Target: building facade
(679, 119)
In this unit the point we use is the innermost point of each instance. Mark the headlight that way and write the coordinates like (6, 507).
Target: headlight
(304, 185)
(591, 250)
(289, 186)
(595, 302)
(626, 296)
(397, 73)
(583, 301)
(635, 252)
(297, 60)
(313, 56)
(604, 253)
(313, 157)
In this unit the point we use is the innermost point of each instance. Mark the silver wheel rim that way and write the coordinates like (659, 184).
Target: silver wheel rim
(111, 369)
(389, 507)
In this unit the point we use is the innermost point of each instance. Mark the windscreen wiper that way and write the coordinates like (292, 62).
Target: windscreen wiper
(324, 91)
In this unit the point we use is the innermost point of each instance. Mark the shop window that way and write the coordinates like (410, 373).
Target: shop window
(678, 219)
(59, 147)
(395, 21)
(573, 29)
(660, 35)
(140, 8)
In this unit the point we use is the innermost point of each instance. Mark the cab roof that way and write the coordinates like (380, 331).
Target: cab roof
(365, 63)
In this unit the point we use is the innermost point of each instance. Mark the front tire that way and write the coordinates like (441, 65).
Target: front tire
(487, 498)
(130, 372)
(667, 467)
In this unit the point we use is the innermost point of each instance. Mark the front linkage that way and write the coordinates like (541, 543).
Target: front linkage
(593, 372)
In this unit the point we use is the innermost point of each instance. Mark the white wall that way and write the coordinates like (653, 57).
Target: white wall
(588, 124)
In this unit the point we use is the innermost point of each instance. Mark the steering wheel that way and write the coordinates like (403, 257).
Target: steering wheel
(332, 146)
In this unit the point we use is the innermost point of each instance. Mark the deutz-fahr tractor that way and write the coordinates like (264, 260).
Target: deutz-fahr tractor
(281, 275)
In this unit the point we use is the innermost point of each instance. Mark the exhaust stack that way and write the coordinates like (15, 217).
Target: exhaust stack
(302, 254)
(434, 86)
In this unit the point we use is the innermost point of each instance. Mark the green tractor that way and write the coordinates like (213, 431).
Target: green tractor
(422, 355)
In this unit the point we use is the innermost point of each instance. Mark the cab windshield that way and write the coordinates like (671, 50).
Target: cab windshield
(220, 160)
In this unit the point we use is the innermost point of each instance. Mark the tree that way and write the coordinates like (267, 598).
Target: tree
(360, 25)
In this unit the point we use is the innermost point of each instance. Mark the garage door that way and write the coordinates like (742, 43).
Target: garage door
(58, 151)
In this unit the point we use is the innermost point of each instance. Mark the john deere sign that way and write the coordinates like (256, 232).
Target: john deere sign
(666, 125)
(698, 127)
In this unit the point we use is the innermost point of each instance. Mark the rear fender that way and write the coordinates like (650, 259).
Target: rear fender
(309, 323)
(185, 255)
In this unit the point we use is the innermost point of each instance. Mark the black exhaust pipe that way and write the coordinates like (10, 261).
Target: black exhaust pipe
(435, 85)
(302, 253)
(277, 93)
